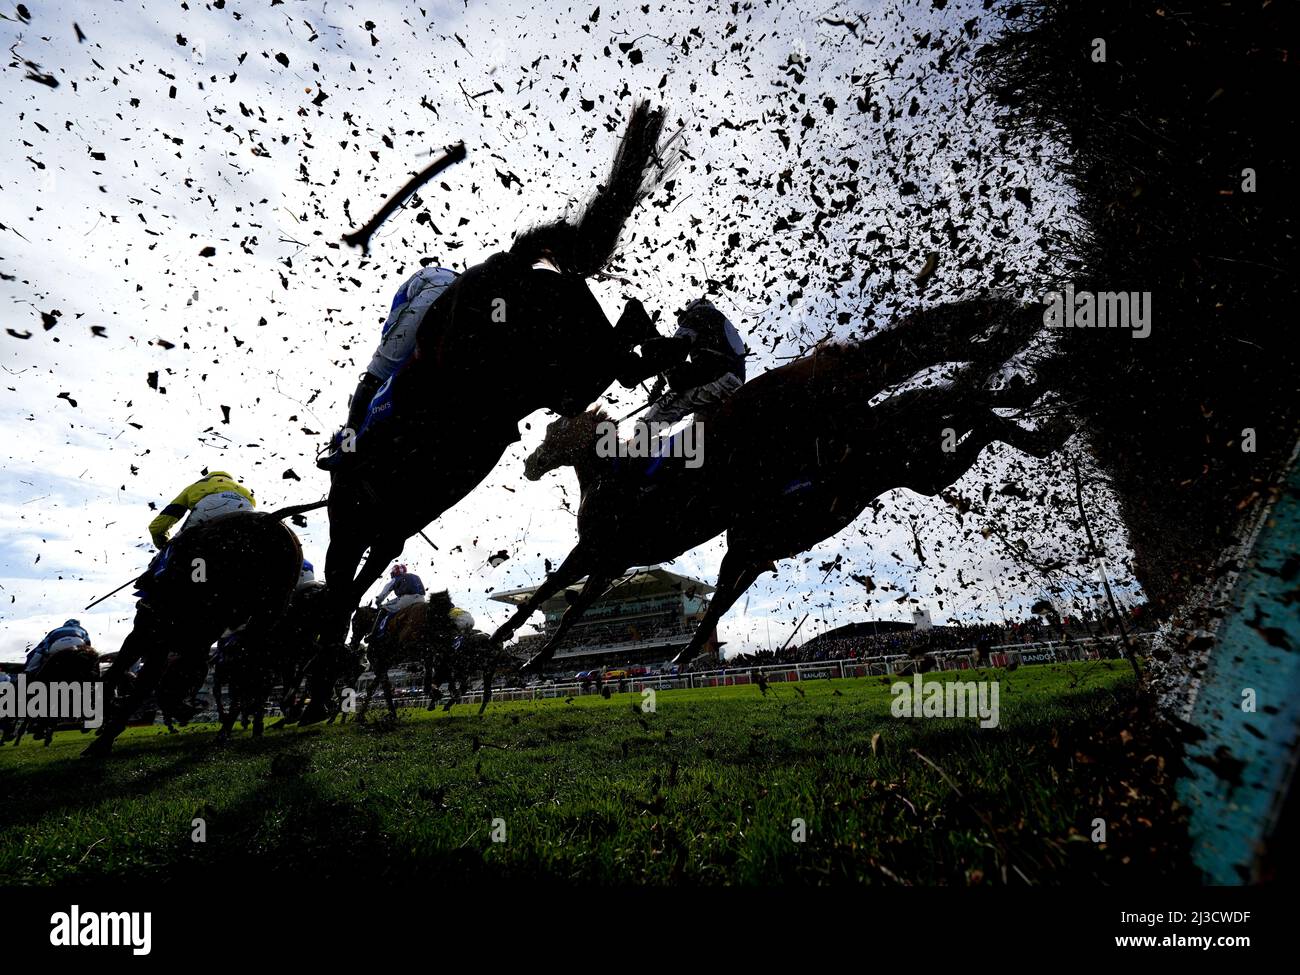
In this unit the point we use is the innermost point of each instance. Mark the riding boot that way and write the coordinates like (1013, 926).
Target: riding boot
(634, 326)
(358, 408)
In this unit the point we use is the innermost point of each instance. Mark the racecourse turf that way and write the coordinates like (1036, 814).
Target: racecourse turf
(704, 789)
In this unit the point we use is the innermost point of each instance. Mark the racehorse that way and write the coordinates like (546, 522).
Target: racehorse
(75, 665)
(411, 635)
(232, 574)
(423, 633)
(252, 666)
(792, 458)
(506, 339)
(921, 439)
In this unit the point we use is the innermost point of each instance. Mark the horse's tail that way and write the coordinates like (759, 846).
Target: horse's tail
(296, 509)
(585, 245)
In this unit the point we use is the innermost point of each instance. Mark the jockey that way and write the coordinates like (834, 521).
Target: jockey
(407, 590)
(210, 496)
(66, 637)
(715, 371)
(415, 297)
(306, 575)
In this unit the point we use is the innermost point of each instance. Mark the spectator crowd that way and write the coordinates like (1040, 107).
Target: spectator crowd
(917, 642)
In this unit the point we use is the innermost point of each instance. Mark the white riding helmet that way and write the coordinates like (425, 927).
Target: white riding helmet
(462, 620)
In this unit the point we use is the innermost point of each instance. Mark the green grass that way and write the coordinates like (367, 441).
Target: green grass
(704, 790)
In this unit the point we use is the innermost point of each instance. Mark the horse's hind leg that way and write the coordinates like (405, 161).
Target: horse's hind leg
(218, 678)
(740, 567)
(154, 639)
(329, 657)
(424, 635)
(381, 678)
(388, 696)
(259, 704)
(365, 701)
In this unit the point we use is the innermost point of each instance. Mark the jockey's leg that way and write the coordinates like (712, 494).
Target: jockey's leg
(151, 642)
(668, 409)
(343, 443)
(634, 326)
(675, 406)
(360, 405)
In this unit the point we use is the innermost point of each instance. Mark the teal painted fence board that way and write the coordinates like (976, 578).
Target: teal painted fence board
(1241, 771)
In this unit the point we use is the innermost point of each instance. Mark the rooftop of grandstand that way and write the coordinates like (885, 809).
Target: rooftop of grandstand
(640, 582)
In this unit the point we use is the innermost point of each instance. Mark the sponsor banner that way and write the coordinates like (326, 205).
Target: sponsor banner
(1038, 656)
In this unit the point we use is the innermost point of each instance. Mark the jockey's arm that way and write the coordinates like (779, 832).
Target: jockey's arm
(383, 593)
(174, 512)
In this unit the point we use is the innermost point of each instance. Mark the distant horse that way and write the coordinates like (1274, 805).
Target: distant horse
(75, 665)
(251, 665)
(506, 339)
(423, 634)
(793, 457)
(233, 573)
(182, 678)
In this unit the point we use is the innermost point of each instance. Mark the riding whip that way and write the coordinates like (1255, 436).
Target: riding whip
(114, 592)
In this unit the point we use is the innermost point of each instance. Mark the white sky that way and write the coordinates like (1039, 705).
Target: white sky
(110, 187)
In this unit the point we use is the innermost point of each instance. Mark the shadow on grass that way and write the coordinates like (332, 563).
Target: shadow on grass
(359, 808)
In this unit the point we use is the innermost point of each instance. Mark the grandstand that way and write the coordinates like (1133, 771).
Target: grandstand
(648, 615)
